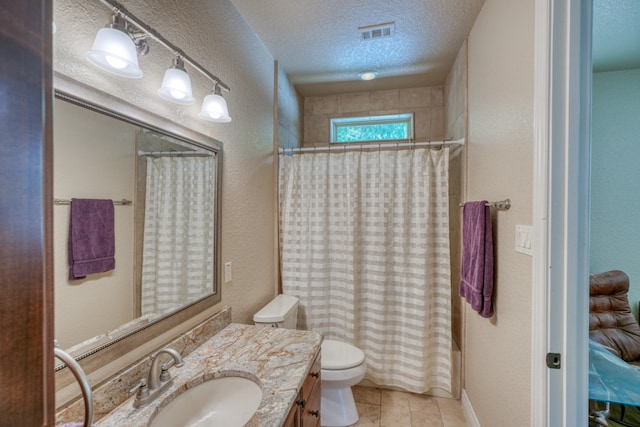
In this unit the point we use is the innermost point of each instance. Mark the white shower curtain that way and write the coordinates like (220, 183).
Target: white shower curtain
(365, 246)
(177, 265)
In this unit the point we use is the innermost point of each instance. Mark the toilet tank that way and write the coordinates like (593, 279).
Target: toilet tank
(281, 312)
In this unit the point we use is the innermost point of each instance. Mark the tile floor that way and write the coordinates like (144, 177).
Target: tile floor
(387, 408)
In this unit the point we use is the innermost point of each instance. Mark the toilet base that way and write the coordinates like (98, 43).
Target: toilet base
(338, 407)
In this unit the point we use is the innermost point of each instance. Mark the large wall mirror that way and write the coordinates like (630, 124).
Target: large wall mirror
(166, 192)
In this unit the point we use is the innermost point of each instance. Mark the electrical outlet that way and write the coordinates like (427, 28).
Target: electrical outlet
(524, 235)
(227, 272)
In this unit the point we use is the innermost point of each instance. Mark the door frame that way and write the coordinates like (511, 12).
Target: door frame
(27, 390)
(562, 146)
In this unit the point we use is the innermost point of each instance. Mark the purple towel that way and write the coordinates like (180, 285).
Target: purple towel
(91, 237)
(476, 285)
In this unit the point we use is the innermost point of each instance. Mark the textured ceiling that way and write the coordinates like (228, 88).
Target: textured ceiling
(616, 35)
(318, 45)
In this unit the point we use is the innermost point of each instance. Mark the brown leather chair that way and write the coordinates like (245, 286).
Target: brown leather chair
(612, 325)
(610, 320)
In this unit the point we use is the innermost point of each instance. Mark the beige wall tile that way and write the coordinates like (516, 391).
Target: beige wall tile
(457, 129)
(415, 97)
(437, 122)
(455, 92)
(309, 104)
(352, 102)
(386, 112)
(422, 124)
(321, 129)
(307, 130)
(429, 121)
(437, 96)
(384, 100)
(326, 105)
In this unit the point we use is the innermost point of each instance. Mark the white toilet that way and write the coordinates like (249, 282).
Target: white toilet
(342, 364)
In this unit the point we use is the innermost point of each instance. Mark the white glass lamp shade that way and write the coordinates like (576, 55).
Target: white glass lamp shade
(214, 109)
(114, 51)
(176, 87)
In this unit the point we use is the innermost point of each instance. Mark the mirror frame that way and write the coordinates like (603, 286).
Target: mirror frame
(76, 93)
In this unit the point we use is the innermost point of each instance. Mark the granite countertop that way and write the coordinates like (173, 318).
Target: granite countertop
(277, 359)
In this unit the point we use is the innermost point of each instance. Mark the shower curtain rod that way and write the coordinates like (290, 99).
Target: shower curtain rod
(370, 146)
(173, 153)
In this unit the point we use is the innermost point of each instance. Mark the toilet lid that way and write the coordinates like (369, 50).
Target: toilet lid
(340, 355)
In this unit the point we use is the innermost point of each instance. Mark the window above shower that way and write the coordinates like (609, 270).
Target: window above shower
(391, 127)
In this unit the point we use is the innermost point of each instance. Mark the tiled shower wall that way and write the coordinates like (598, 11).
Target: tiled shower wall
(289, 118)
(455, 95)
(427, 104)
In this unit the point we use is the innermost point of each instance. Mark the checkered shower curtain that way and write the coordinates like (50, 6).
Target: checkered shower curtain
(365, 246)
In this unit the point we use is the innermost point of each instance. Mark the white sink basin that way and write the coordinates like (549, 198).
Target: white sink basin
(226, 401)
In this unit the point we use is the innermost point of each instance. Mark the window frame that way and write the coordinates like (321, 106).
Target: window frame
(336, 123)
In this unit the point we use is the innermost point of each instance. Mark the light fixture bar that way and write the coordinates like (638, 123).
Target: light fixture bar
(131, 19)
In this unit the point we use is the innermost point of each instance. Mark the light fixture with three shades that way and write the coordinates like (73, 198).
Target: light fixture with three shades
(116, 48)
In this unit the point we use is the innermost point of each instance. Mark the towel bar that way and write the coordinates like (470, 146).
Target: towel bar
(123, 202)
(502, 205)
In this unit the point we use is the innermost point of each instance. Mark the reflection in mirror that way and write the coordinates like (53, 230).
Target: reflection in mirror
(165, 239)
(177, 237)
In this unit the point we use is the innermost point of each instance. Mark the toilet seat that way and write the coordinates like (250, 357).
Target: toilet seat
(338, 355)
(333, 378)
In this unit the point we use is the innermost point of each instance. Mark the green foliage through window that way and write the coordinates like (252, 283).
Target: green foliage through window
(381, 132)
(372, 128)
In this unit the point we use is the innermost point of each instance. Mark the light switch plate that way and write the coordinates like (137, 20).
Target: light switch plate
(227, 272)
(524, 237)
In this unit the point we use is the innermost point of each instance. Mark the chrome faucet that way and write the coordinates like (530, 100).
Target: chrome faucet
(159, 378)
(160, 373)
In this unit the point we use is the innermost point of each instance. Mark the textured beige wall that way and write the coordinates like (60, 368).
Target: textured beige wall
(500, 152)
(106, 160)
(215, 35)
(427, 104)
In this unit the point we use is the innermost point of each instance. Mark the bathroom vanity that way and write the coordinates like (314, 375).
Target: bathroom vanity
(284, 363)
(306, 411)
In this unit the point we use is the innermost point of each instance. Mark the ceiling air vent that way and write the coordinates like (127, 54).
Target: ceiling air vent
(373, 32)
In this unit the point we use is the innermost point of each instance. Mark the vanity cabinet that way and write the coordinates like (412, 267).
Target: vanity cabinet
(306, 410)
(293, 419)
